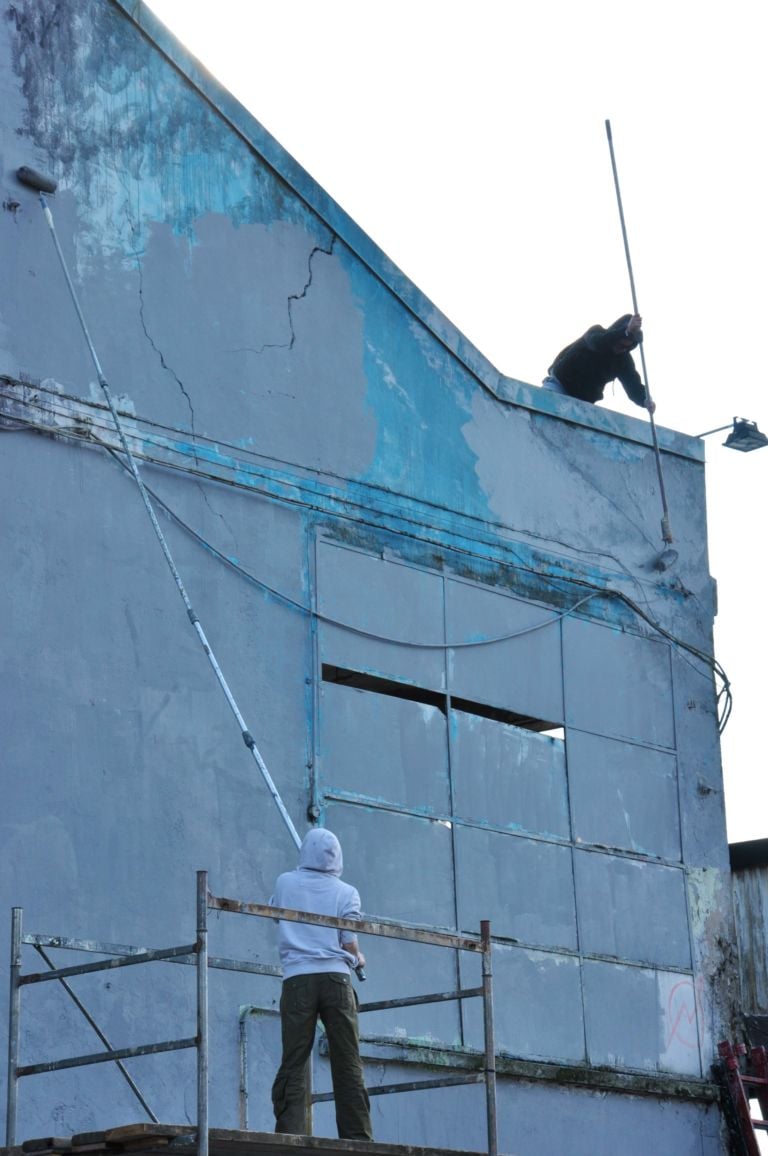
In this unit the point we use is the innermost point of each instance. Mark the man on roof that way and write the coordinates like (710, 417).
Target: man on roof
(584, 368)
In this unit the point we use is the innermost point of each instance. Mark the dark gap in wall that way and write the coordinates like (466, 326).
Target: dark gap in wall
(498, 714)
(371, 682)
(360, 681)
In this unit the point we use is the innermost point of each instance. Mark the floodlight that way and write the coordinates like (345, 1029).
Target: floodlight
(744, 435)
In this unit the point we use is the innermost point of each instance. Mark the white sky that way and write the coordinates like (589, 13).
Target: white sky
(467, 138)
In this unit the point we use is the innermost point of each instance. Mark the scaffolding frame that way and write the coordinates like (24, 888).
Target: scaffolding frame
(196, 954)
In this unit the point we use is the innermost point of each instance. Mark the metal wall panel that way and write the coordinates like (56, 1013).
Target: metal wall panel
(623, 796)
(407, 861)
(383, 747)
(680, 1009)
(617, 684)
(632, 909)
(537, 1004)
(396, 970)
(524, 886)
(388, 599)
(521, 674)
(621, 1015)
(636, 1018)
(508, 776)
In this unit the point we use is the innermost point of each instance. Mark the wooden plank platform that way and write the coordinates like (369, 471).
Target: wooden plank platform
(167, 1139)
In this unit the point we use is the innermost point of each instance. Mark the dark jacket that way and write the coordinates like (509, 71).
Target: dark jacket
(586, 366)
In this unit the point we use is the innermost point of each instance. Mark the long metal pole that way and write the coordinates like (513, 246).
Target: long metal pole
(13, 1028)
(202, 1013)
(246, 734)
(490, 1041)
(666, 531)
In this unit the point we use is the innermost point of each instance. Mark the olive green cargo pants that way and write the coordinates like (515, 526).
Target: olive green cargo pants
(330, 996)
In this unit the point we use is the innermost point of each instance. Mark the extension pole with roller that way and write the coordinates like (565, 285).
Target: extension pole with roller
(41, 185)
(665, 559)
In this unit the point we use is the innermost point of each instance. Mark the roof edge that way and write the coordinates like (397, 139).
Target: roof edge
(505, 389)
(747, 854)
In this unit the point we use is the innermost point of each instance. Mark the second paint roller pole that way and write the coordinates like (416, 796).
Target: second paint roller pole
(666, 531)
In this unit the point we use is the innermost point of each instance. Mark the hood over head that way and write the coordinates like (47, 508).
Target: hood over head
(618, 331)
(321, 851)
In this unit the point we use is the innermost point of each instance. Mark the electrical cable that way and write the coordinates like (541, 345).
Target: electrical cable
(708, 660)
(328, 620)
(217, 443)
(724, 695)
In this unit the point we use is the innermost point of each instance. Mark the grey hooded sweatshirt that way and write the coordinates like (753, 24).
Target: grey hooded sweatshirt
(315, 886)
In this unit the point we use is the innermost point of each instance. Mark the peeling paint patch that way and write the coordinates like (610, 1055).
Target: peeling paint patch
(142, 107)
(711, 916)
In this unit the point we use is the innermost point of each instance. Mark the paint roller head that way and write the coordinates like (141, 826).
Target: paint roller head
(35, 180)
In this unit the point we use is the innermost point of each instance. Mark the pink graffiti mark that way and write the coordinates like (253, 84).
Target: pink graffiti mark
(681, 1014)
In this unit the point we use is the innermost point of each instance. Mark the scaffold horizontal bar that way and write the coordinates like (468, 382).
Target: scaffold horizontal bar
(107, 964)
(408, 1001)
(414, 1086)
(216, 961)
(105, 1057)
(359, 927)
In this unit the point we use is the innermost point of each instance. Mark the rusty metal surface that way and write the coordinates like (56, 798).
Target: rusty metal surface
(750, 901)
(363, 926)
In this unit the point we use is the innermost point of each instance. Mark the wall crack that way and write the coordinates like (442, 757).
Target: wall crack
(291, 301)
(169, 369)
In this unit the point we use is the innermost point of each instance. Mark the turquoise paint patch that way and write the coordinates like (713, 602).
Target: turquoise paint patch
(422, 534)
(421, 397)
(134, 139)
(615, 448)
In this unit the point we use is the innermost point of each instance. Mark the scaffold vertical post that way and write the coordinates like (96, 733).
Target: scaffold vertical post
(202, 1013)
(490, 1043)
(13, 1028)
(243, 1049)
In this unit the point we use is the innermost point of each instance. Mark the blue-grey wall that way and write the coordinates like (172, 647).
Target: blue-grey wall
(300, 406)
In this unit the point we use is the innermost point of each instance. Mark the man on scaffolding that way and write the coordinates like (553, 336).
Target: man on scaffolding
(317, 963)
(584, 368)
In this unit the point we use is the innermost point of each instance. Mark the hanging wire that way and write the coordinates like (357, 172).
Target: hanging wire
(724, 696)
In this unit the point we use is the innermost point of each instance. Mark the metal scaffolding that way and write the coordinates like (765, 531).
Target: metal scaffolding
(196, 954)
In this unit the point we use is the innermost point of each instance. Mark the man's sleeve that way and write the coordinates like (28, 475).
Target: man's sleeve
(351, 910)
(632, 382)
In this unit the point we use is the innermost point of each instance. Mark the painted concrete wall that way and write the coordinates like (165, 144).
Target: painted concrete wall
(479, 557)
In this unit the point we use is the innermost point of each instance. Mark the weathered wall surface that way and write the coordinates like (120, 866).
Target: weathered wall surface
(750, 900)
(490, 705)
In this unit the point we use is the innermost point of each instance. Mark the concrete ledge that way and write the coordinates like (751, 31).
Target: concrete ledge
(661, 1085)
